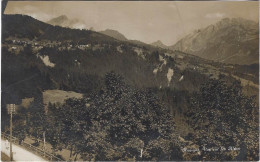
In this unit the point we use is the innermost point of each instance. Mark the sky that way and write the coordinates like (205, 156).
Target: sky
(147, 21)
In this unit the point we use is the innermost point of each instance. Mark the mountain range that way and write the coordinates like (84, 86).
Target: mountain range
(64, 21)
(236, 30)
(231, 40)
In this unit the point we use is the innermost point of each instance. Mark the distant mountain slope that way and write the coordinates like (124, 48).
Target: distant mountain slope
(58, 20)
(34, 29)
(64, 21)
(159, 44)
(119, 36)
(230, 41)
(115, 34)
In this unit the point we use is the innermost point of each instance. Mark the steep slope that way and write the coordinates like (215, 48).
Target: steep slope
(230, 41)
(115, 34)
(64, 21)
(159, 44)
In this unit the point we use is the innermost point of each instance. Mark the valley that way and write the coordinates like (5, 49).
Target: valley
(107, 98)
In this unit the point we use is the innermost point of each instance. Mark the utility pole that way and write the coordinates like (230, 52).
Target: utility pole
(44, 143)
(11, 111)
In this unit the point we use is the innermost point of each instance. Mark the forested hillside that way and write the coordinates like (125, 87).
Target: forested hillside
(136, 96)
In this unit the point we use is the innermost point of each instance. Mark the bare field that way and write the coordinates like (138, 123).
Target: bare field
(58, 96)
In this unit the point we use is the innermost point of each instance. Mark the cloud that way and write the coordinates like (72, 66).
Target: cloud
(215, 15)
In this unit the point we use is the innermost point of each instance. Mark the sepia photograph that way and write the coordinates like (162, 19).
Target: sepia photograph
(130, 81)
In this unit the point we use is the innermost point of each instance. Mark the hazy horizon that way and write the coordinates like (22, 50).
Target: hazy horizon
(147, 21)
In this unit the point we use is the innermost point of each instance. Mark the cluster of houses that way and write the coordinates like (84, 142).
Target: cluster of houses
(35, 44)
(16, 45)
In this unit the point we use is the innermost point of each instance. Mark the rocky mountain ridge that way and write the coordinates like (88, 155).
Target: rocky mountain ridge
(231, 40)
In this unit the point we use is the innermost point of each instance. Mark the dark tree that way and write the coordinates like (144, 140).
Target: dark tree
(116, 123)
(222, 116)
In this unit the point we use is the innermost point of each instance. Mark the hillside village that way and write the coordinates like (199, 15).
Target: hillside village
(17, 45)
